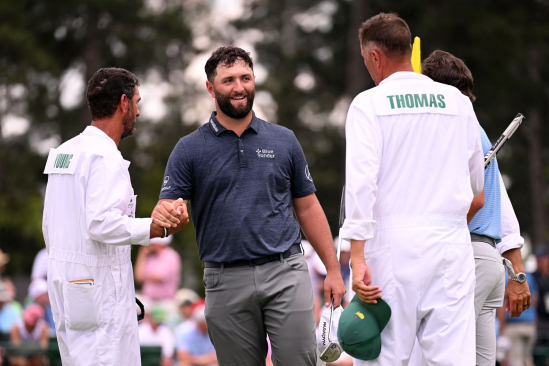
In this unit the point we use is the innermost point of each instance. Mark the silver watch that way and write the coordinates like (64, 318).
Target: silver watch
(519, 277)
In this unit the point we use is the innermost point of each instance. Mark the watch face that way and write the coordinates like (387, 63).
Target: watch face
(521, 277)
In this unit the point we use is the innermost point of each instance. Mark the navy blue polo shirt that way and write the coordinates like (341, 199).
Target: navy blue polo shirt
(240, 188)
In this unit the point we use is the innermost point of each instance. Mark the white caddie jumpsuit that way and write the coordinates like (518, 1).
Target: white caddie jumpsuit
(414, 163)
(511, 239)
(88, 227)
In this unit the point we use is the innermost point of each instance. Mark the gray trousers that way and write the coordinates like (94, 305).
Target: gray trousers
(244, 304)
(489, 294)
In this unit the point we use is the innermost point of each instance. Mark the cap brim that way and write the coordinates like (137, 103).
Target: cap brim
(381, 311)
(366, 351)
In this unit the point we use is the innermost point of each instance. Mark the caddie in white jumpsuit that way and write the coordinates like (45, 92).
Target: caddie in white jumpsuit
(89, 224)
(414, 164)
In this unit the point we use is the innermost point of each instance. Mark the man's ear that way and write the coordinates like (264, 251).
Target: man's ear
(124, 103)
(210, 88)
(376, 57)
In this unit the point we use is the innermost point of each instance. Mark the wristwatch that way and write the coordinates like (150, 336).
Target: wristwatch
(519, 277)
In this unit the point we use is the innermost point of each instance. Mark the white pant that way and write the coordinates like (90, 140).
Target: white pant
(96, 325)
(427, 277)
(489, 292)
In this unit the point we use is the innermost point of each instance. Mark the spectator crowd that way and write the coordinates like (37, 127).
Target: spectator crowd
(175, 322)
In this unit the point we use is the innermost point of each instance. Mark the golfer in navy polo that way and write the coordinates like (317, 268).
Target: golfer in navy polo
(245, 178)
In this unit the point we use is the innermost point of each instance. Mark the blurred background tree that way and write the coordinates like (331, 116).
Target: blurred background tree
(308, 68)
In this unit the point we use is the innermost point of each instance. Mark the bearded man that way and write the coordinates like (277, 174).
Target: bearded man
(244, 178)
(89, 225)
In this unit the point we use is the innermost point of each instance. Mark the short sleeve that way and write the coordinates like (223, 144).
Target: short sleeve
(177, 181)
(301, 182)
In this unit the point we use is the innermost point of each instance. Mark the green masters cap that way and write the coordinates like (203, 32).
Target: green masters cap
(360, 327)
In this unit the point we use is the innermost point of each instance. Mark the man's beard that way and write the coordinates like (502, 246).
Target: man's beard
(224, 102)
(129, 124)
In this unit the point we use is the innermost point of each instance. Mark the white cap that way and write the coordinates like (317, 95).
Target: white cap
(185, 296)
(161, 241)
(38, 286)
(324, 327)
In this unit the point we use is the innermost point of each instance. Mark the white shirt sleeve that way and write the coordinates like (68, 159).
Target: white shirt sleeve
(476, 156)
(364, 149)
(107, 197)
(510, 229)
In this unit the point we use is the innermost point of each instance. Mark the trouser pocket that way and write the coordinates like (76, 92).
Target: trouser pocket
(211, 277)
(82, 306)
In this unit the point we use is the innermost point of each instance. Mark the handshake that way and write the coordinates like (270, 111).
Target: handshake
(171, 214)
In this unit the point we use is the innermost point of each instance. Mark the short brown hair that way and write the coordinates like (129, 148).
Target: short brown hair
(226, 56)
(388, 31)
(105, 89)
(443, 67)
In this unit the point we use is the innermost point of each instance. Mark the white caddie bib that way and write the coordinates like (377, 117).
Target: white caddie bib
(417, 101)
(62, 161)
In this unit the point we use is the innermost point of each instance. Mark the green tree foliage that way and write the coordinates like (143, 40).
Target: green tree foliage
(309, 50)
(39, 42)
(503, 45)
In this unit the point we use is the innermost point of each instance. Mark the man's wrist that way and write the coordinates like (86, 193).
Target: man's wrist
(156, 230)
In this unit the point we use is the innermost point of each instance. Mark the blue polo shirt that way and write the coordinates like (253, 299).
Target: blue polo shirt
(487, 221)
(240, 188)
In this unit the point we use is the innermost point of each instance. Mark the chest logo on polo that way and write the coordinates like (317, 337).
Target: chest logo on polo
(417, 101)
(265, 153)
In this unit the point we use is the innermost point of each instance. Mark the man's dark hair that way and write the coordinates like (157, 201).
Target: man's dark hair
(443, 67)
(226, 56)
(389, 32)
(105, 89)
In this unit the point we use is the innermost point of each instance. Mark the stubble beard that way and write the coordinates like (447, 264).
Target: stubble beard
(129, 124)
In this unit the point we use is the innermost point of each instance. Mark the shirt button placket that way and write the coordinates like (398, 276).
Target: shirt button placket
(241, 155)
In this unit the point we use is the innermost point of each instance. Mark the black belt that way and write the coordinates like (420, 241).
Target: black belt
(294, 249)
(483, 239)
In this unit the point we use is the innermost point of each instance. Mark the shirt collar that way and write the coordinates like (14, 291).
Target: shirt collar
(405, 75)
(218, 129)
(94, 131)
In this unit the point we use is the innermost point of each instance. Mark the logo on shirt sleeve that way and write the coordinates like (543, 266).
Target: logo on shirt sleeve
(165, 185)
(308, 173)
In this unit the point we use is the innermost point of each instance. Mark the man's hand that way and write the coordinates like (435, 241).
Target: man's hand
(517, 297)
(169, 213)
(334, 288)
(362, 283)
